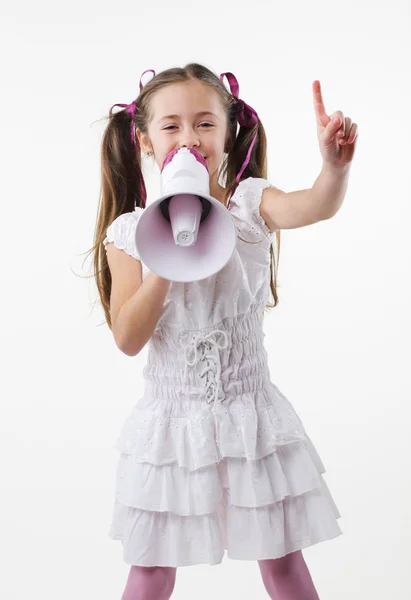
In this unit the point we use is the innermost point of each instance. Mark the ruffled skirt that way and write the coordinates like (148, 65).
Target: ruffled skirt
(193, 482)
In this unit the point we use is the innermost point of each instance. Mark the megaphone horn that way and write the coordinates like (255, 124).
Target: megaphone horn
(186, 234)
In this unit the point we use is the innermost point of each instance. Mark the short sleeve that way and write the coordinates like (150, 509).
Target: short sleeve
(246, 202)
(122, 232)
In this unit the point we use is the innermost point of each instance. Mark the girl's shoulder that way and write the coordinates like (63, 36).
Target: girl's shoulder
(246, 201)
(122, 232)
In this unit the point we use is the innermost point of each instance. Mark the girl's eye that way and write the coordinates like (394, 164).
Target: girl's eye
(173, 126)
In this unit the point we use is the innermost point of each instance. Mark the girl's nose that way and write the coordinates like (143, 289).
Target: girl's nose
(189, 139)
(189, 144)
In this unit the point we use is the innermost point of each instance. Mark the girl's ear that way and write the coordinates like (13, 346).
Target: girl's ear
(143, 141)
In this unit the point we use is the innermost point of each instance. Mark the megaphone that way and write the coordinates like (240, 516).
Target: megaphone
(185, 235)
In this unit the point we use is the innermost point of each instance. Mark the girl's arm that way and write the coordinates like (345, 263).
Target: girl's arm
(135, 305)
(290, 210)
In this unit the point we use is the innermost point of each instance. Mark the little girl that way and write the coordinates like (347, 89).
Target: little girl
(213, 457)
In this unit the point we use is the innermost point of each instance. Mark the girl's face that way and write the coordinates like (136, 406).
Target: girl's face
(187, 114)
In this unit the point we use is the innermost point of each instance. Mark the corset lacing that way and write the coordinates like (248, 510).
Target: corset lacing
(205, 348)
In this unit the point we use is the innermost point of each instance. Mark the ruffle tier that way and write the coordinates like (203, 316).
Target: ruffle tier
(251, 425)
(247, 533)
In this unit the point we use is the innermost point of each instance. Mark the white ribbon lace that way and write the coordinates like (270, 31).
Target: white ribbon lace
(205, 348)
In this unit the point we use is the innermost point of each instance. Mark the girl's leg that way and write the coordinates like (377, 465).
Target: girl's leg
(288, 578)
(149, 583)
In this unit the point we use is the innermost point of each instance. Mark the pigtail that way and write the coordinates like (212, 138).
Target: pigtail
(122, 179)
(122, 189)
(237, 148)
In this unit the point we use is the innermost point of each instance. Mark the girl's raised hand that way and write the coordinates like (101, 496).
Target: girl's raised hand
(337, 139)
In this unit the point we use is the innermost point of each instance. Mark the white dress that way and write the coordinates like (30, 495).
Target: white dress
(213, 457)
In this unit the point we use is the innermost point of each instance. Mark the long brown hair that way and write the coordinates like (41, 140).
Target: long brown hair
(121, 173)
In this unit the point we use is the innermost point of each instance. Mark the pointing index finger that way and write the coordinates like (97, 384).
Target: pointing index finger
(319, 104)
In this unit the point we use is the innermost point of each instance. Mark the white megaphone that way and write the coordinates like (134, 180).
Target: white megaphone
(186, 234)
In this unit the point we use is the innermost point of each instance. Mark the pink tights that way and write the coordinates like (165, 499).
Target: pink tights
(285, 578)
(288, 578)
(149, 583)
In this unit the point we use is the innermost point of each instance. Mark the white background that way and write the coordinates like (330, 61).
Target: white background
(338, 342)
